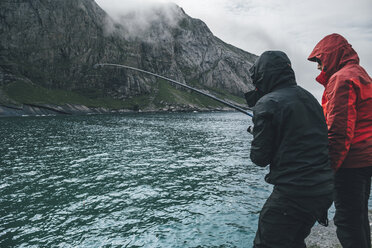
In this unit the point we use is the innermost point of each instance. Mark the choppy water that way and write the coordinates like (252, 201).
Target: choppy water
(133, 180)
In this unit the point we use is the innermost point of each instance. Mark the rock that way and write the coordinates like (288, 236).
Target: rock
(54, 44)
(325, 237)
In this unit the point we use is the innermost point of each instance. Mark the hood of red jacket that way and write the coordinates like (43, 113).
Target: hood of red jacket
(334, 51)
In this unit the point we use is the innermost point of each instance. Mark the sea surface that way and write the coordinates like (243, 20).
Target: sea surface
(129, 180)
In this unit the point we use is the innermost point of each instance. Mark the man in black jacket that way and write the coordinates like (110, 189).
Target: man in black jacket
(290, 135)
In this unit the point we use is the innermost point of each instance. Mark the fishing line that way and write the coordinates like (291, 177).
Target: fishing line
(180, 84)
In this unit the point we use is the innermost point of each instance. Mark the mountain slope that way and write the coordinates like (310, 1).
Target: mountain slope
(48, 49)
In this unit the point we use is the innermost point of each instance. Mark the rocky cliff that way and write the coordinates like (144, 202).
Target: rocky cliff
(48, 49)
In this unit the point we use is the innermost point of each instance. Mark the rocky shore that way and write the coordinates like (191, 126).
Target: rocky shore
(47, 109)
(76, 109)
(325, 237)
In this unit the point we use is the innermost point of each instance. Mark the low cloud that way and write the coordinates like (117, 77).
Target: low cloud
(140, 19)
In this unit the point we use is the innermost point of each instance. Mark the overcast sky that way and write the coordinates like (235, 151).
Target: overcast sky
(292, 26)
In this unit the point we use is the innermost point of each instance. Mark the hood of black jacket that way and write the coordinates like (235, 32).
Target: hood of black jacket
(272, 70)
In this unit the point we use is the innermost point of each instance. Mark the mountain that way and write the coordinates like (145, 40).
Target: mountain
(48, 49)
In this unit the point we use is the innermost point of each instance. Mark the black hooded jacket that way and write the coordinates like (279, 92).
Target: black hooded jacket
(290, 131)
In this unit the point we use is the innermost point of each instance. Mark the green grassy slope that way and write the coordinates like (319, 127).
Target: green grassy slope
(163, 94)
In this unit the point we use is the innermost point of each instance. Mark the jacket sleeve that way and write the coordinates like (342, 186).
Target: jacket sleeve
(262, 143)
(341, 118)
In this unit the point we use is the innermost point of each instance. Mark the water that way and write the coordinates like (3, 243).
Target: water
(132, 180)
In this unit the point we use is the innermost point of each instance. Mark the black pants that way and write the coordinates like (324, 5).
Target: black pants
(352, 190)
(285, 221)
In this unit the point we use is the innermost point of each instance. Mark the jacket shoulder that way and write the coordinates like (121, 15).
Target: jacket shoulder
(267, 104)
(341, 79)
(347, 73)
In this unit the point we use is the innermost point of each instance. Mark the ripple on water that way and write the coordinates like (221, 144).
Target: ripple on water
(133, 180)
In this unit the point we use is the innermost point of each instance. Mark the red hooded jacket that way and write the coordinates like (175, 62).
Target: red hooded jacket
(347, 102)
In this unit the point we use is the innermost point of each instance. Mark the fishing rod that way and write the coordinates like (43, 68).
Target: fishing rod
(180, 84)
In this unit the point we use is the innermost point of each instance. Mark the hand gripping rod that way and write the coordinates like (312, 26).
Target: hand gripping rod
(180, 84)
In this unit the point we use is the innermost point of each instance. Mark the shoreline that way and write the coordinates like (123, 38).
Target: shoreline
(74, 109)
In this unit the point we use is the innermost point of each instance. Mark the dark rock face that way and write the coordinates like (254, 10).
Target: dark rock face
(55, 44)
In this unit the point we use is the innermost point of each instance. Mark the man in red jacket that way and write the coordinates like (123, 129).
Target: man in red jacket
(347, 105)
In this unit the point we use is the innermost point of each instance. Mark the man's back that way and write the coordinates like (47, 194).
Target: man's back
(299, 160)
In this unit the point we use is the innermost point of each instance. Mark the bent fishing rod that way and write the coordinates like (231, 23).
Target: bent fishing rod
(178, 83)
